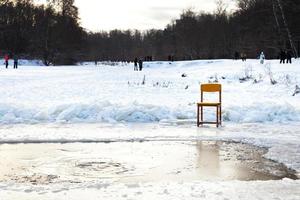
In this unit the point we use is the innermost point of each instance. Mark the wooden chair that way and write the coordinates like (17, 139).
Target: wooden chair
(210, 88)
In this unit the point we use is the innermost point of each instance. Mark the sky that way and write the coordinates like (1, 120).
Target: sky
(98, 15)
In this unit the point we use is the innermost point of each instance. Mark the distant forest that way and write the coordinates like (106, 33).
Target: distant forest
(53, 33)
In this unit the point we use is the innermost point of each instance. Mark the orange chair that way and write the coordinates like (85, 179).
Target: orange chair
(202, 104)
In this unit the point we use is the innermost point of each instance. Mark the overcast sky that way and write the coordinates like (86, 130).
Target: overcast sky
(99, 15)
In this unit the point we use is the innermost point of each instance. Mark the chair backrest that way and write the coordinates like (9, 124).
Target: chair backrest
(211, 87)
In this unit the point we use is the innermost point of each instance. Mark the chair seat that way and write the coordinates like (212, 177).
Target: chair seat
(208, 104)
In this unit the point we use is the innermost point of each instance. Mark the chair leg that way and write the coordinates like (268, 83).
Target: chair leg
(200, 116)
(201, 113)
(220, 115)
(198, 122)
(217, 116)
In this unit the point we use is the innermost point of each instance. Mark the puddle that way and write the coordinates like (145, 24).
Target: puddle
(131, 162)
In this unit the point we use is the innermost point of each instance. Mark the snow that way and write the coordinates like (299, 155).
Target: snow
(88, 103)
(90, 94)
(235, 190)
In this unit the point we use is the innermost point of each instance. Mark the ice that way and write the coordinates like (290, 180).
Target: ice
(109, 102)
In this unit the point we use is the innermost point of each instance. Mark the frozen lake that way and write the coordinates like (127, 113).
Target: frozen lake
(136, 162)
(107, 132)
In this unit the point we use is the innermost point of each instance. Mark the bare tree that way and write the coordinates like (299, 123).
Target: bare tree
(287, 28)
(277, 22)
(221, 7)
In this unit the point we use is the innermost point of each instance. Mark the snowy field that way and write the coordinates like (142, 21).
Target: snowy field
(105, 103)
(89, 94)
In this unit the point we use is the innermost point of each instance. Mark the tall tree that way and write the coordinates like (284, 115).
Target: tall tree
(287, 28)
(66, 7)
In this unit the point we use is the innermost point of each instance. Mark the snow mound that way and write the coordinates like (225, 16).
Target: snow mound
(141, 113)
(268, 112)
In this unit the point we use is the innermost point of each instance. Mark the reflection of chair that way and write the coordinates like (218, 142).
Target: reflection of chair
(218, 105)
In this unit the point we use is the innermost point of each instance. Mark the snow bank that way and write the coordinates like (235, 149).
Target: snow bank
(135, 112)
(260, 113)
(101, 112)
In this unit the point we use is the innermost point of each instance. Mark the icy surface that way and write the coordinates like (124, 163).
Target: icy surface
(89, 103)
(282, 140)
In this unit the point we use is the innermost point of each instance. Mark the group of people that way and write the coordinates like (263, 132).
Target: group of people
(285, 57)
(138, 64)
(6, 61)
(242, 56)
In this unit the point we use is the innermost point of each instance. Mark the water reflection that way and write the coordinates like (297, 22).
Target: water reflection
(208, 162)
(137, 162)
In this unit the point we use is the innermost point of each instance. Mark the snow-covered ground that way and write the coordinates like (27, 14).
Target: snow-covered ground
(234, 190)
(113, 103)
(116, 94)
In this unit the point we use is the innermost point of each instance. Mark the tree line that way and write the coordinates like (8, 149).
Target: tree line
(49, 32)
(52, 32)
